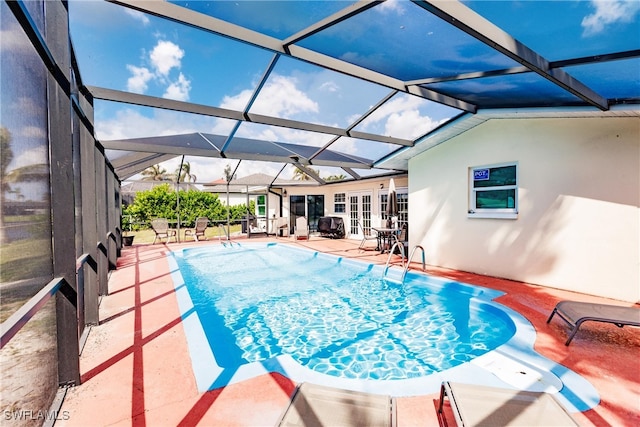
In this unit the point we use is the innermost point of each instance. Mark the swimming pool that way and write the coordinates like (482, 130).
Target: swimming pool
(311, 316)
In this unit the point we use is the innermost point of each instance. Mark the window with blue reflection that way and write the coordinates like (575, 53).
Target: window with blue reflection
(493, 191)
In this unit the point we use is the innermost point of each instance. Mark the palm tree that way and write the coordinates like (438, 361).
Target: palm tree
(154, 173)
(5, 160)
(228, 175)
(335, 177)
(185, 174)
(301, 175)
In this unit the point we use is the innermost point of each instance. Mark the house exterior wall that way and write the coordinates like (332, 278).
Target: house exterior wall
(578, 224)
(372, 185)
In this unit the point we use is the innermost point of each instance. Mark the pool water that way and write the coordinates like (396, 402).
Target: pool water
(335, 316)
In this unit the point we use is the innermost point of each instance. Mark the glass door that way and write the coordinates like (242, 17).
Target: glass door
(360, 212)
(315, 210)
(296, 209)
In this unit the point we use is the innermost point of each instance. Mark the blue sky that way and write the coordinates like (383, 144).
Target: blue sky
(126, 50)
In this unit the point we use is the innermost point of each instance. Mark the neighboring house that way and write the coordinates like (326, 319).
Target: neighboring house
(241, 190)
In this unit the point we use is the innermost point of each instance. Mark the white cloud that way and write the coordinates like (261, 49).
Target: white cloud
(178, 90)
(329, 87)
(140, 76)
(39, 154)
(402, 118)
(609, 12)
(35, 132)
(237, 102)
(281, 98)
(165, 56)
(129, 123)
(408, 124)
(138, 16)
(391, 6)
(13, 39)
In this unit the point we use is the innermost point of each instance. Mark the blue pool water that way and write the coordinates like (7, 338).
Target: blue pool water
(255, 309)
(334, 316)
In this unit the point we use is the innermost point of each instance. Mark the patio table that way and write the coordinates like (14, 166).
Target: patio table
(385, 238)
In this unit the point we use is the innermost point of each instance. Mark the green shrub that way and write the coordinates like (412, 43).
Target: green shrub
(161, 202)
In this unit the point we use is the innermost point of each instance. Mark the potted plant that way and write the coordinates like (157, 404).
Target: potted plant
(127, 238)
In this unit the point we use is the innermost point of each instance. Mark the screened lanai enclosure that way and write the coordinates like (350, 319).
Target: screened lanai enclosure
(94, 92)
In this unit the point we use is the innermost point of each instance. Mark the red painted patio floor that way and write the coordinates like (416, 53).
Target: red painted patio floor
(136, 368)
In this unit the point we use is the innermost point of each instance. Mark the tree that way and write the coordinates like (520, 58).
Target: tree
(228, 175)
(335, 177)
(154, 173)
(185, 174)
(6, 156)
(160, 202)
(301, 175)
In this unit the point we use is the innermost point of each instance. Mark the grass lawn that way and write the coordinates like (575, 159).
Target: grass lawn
(147, 236)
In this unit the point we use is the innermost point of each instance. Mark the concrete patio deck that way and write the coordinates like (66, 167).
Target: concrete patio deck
(136, 369)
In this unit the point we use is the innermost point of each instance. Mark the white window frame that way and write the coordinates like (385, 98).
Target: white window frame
(499, 213)
(342, 203)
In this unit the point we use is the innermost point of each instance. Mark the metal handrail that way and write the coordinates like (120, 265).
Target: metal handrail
(413, 251)
(396, 244)
(224, 230)
(17, 320)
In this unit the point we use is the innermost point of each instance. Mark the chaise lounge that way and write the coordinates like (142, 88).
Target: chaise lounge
(575, 313)
(477, 405)
(314, 405)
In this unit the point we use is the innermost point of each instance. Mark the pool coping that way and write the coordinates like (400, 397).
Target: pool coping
(514, 364)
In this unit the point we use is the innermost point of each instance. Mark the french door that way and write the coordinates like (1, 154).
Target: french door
(360, 212)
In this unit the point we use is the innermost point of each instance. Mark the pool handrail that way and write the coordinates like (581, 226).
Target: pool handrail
(391, 252)
(224, 230)
(413, 251)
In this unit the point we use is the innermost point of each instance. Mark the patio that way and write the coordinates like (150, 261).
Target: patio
(136, 368)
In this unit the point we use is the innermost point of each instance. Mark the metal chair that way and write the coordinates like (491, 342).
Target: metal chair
(366, 236)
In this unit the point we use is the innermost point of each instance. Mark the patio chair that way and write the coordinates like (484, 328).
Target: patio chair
(313, 405)
(575, 313)
(476, 405)
(198, 230)
(366, 236)
(401, 238)
(161, 228)
(301, 230)
(282, 224)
